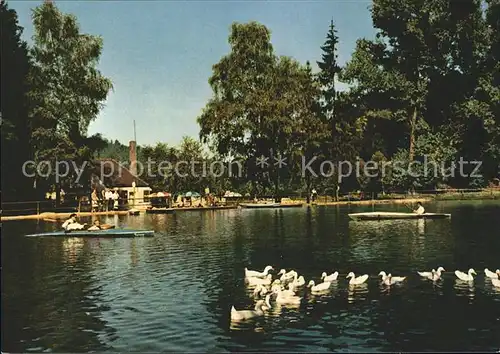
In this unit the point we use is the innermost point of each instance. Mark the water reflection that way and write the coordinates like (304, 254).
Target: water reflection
(421, 226)
(465, 288)
(174, 292)
(357, 292)
(72, 246)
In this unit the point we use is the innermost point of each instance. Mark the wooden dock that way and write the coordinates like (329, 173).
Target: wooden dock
(375, 201)
(61, 216)
(175, 210)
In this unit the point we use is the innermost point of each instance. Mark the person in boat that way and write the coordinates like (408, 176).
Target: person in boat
(420, 209)
(72, 224)
(96, 226)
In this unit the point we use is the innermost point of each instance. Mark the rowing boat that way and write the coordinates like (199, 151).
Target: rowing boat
(110, 233)
(393, 215)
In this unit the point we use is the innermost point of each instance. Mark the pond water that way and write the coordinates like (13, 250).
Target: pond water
(174, 292)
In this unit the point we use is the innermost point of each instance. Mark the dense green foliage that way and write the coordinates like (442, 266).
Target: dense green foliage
(14, 106)
(425, 90)
(52, 93)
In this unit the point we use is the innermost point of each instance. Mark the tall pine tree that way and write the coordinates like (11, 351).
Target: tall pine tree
(329, 70)
(14, 106)
(335, 108)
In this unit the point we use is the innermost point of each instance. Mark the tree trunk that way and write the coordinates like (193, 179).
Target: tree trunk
(413, 121)
(308, 189)
(411, 150)
(277, 187)
(58, 195)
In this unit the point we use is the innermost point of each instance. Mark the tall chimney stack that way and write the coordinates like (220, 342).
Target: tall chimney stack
(133, 158)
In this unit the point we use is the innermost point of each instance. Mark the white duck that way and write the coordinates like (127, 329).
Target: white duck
(435, 275)
(430, 274)
(300, 281)
(466, 276)
(285, 297)
(256, 274)
(331, 277)
(267, 303)
(276, 285)
(320, 287)
(287, 276)
(356, 281)
(389, 280)
(260, 290)
(495, 282)
(393, 279)
(492, 275)
(240, 315)
(260, 281)
(290, 291)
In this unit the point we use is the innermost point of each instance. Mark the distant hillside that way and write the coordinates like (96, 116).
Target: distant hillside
(117, 151)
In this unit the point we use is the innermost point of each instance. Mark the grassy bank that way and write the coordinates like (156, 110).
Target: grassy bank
(487, 194)
(376, 201)
(395, 198)
(492, 194)
(60, 216)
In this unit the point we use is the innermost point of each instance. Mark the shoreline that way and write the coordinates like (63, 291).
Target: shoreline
(55, 217)
(375, 201)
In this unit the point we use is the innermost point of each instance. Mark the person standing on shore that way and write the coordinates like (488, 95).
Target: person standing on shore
(109, 200)
(116, 196)
(95, 201)
(314, 194)
(103, 200)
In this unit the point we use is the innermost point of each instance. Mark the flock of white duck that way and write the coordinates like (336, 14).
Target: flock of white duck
(284, 288)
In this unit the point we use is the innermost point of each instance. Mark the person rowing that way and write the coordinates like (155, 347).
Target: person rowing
(98, 226)
(420, 209)
(72, 224)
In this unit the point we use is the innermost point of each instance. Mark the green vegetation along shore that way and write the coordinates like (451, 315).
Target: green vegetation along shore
(320, 201)
(426, 88)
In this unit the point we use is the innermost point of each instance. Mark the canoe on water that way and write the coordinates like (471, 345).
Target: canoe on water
(110, 233)
(378, 215)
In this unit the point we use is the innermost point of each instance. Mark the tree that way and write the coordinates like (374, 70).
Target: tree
(486, 104)
(256, 106)
(115, 150)
(14, 106)
(422, 75)
(193, 170)
(336, 109)
(67, 89)
(311, 132)
(161, 159)
(329, 70)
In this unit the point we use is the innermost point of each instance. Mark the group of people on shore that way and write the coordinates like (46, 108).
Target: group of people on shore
(106, 200)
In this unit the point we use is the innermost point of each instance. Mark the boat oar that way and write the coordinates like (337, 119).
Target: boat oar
(406, 205)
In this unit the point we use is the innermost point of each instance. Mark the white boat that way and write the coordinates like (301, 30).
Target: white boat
(381, 215)
(111, 233)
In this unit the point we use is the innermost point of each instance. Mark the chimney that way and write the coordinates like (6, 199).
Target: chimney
(133, 158)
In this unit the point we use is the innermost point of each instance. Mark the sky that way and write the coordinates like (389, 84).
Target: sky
(159, 54)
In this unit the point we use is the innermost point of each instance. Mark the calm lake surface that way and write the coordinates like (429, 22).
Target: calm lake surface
(174, 292)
